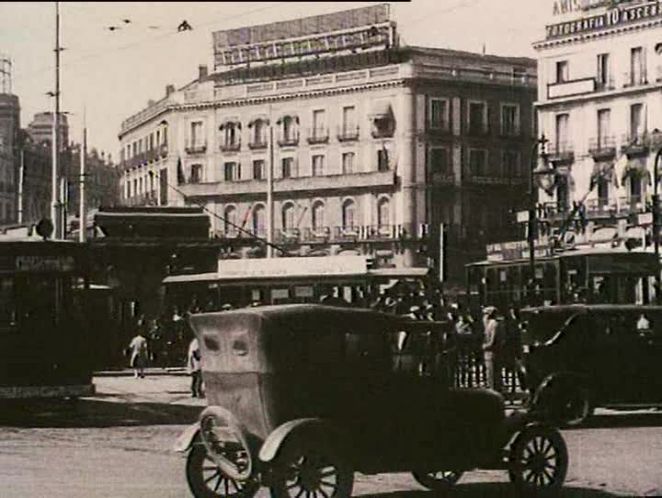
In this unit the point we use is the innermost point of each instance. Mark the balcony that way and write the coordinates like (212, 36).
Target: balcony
(561, 153)
(163, 150)
(349, 233)
(606, 85)
(195, 147)
(317, 234)
(635, 144)
(318, 136)
(478, 130)
(230, 146)
(636, 78)
(258, 144)
(287, 235)
(570, 88)
(601, 208)
(370, 180)
(512, 131)
(288, 141)
(348, 134)
(602, 148)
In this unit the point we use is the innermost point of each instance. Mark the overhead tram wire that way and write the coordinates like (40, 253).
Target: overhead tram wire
(223, 219)
(96, 54)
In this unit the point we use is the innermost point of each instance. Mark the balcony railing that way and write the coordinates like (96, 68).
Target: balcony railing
(195, 147)
(510, 131)
(318, 136)
(635, 144)
(258, 144)
(289, 140)
(478, 130)
(317, 234)
(288, 235)
(561, 152)
(602, 147)
(230, 146)
(603, 86)
(348, 134)
(636, 78)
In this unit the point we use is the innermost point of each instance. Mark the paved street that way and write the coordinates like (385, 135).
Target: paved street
(118, 444)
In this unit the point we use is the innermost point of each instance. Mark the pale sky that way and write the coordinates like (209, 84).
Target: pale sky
(112, 74)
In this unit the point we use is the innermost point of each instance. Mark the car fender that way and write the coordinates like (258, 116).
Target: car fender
(554, 381)
(187, 438)
(303, 427)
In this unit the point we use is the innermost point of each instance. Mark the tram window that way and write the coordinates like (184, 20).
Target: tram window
(7, 302)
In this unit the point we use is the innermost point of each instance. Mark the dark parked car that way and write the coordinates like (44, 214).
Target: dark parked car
(301, 396)
(602, 355)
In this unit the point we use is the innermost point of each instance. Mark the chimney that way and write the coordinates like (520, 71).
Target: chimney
(202, 71)
(170, 89)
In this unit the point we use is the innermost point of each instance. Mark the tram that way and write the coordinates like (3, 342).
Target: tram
(244, 282)
(44, 343)
(597, 275)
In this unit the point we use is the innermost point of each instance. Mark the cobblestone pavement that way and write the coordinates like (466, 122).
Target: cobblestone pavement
(118, 444)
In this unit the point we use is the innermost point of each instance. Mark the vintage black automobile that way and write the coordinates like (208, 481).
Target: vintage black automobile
(302, 396)
(586, 355)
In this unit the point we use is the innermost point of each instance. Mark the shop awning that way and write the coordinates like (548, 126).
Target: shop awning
(381, 109)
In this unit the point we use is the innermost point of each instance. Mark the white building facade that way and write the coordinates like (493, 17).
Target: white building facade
(600, 106)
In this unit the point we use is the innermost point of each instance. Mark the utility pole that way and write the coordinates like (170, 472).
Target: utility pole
(82, 224)
(55, 198)
(21, 175)
(270, 190)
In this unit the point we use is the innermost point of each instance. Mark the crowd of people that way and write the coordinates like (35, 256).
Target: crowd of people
(476, 352)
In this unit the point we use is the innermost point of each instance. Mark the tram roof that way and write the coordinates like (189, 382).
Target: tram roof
(588, 251)
(591, 307)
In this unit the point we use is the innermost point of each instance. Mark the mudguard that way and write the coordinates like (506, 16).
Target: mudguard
(187, 438)
(304, 427)
(550, 385)
(528, 426)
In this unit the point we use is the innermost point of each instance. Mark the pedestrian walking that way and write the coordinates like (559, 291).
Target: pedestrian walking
(513, 350)
(491, 348)
(194, 368)
(139, 354)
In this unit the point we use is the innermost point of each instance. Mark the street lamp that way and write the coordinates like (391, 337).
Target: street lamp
(544, 174)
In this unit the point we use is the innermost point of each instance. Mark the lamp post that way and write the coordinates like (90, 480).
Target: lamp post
(532, 221)
(656, 228)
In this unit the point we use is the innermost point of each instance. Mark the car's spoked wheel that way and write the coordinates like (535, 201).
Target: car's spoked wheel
(305, 471)
(207, 480)
(441, 480)
(538, 460)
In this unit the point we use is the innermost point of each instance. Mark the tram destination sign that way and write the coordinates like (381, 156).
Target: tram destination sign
(621, 15)
(292, 267)
(511, 251)
(44, 263)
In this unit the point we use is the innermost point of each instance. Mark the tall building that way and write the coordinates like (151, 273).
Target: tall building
(599, 103)
(10, 111)
(41, 129)
(373, 145)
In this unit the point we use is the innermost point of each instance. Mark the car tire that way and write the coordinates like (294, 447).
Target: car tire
(206, 480)
(573, 407)
(311, 468)
(440, 481)
(538, 462)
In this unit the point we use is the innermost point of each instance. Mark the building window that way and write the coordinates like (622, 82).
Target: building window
(230, 220)
(287, 164)
(196, 134)
(231, 172)
(510, 119)
(318, 165)
(348, 120)
(477, 117)
(439, 114)
(158, 137)
(382, 159)
(289, 129)
(348, 163)
(562, 125)
(318, 216)
(196, 173)
(259, 132)
(348, 214)
(259, 220)
(510, 164)
(231, 133)
(438, 165)
(604, 116)
(478, 162)
(288, 216)
(258, 169)
(383, 213)
(637, 119)
(604, 71)
(637, 66)
(319, 124)
(562, 71)
(128, 189)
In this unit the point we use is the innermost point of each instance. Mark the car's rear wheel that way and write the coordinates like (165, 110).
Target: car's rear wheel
(312, 470)
(207, 480)
(538, 461)
(439, 481)
(573, 407)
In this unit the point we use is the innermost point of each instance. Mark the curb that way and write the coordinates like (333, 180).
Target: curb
(149, 372)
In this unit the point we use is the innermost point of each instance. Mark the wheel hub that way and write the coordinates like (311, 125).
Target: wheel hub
(310, 478)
